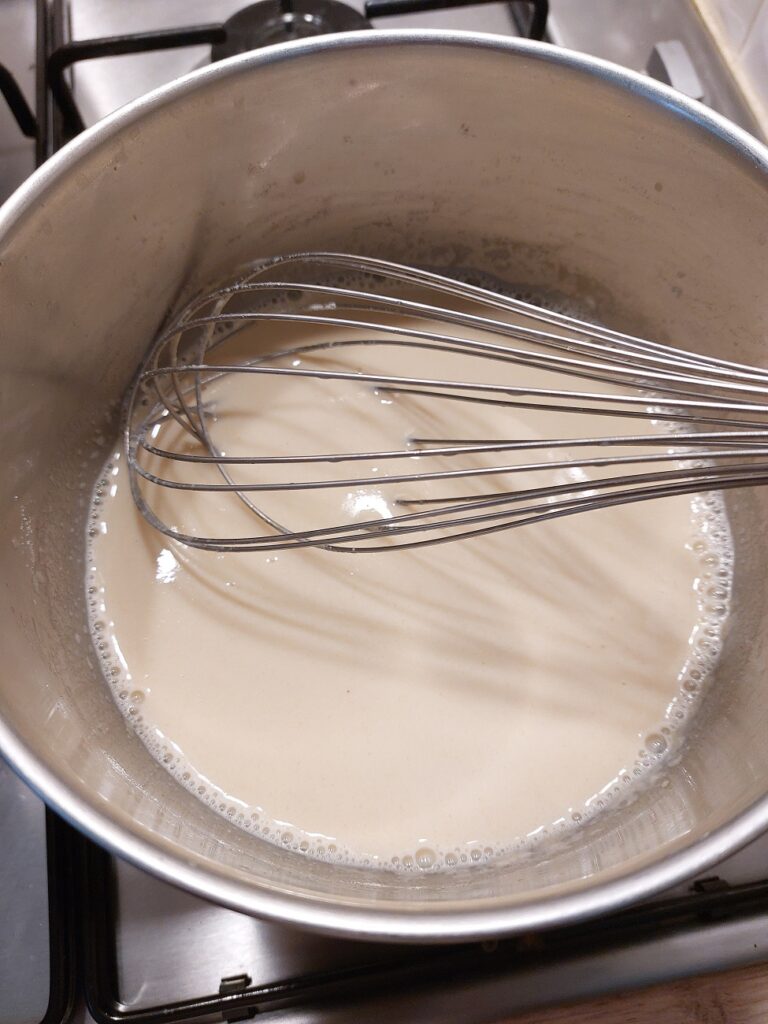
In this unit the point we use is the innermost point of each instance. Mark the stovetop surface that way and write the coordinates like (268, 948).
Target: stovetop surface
(145, 944)
(24, 945)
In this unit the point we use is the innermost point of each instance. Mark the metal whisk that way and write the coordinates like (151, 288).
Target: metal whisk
(710, 416)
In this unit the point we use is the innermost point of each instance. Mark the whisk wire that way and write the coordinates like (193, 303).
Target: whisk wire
(651, 381)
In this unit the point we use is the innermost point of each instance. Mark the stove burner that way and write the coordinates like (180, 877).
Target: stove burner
(278, 21)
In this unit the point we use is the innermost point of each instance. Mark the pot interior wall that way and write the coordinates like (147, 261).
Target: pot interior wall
(460, 153)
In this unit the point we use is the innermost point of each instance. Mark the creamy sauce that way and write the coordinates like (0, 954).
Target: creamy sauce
(413, 709)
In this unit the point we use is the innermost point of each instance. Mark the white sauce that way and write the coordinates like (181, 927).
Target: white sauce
(409, 709)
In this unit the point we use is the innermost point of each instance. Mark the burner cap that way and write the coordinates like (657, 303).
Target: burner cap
(278, 21)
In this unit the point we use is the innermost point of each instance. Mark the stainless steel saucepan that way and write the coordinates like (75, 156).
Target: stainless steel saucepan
(548, 169)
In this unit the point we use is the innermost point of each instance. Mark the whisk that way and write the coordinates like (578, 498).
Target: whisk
(710, 416)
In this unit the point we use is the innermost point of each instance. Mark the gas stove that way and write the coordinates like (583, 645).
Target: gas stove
(86, 937)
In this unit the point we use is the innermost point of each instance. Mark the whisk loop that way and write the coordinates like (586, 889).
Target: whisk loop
(716, 410)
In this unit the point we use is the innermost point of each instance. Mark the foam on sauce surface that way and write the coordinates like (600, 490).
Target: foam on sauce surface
(414, 709)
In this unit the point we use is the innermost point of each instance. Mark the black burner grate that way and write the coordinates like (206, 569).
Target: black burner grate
(62, 843)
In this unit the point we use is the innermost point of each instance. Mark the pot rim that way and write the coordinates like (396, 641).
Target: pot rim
(371, 920)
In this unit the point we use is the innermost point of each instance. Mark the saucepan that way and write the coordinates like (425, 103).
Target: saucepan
(545, 168)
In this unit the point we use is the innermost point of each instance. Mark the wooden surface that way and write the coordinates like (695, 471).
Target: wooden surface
(735, 997)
